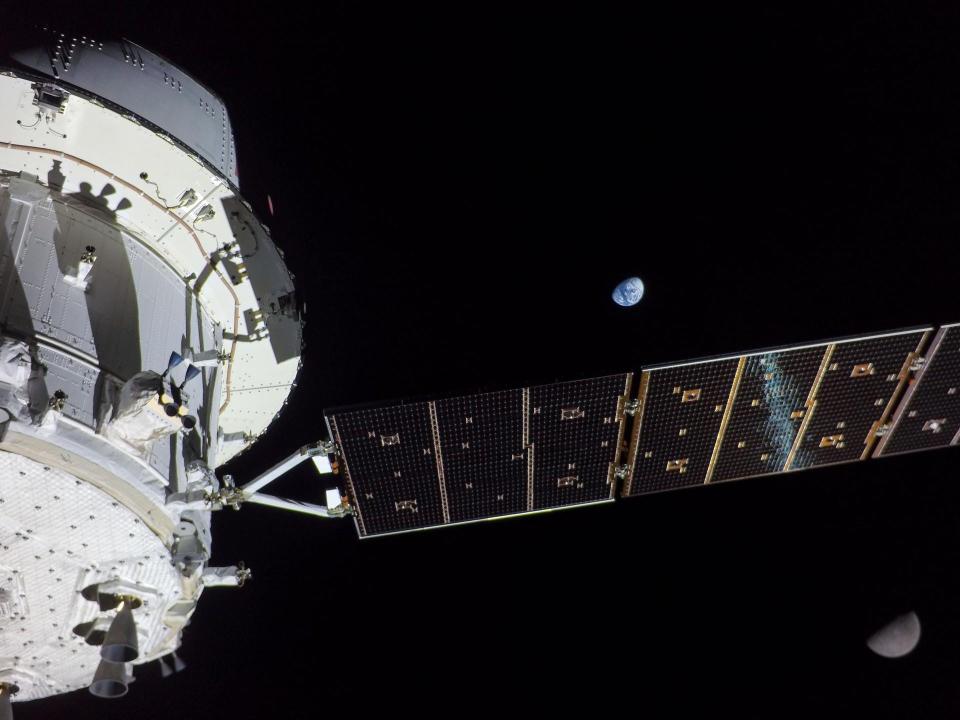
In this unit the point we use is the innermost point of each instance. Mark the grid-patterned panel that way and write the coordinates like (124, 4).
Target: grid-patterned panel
(929, 415)
(411, 467)
(861, 380)
(483, 457)
(767, 412)
(575, 431)
(682, 414)
(391, 468)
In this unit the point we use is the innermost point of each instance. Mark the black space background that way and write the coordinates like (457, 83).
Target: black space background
(458, 187)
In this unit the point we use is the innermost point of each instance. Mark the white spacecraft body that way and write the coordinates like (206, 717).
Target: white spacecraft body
(123, 239)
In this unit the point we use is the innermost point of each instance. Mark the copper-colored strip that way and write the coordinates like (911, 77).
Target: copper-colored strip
(635, 434)
(621, 418)
(168, 211)
(439, 460)
(904, 376)
(810, 404)
(727, 412)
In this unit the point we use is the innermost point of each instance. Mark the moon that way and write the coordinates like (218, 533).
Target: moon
(629, 292)
(897, 638)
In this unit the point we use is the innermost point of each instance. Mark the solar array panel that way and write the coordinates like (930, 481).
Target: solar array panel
(575, 434)
(766, 412)
(862, 381)
(391, 451)
(477, 457)
(684, 411)
(929, 416)
(483, 454)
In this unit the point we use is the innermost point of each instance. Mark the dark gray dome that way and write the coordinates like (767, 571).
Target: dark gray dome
(135, 79)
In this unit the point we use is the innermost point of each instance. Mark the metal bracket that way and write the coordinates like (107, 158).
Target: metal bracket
(631, 407)
(882, 430)
(621, 472)
(232, 576)
(227, 496)
(326, 447)
(49, 97)
(918, 363)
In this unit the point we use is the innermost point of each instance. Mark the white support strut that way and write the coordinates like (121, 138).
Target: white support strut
(264, 479)
(296, 506)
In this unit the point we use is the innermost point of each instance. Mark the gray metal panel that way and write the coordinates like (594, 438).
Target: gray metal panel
(133, 313)
(144, 83)
(74, 377)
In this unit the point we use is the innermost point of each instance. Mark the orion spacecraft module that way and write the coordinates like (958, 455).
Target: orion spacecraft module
(150, 331)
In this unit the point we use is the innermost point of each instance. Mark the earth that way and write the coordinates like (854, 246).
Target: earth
(628, 292)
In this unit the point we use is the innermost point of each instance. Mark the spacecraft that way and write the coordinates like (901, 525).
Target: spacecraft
(150, 331)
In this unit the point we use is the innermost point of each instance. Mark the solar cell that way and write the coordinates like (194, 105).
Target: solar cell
(929, 415)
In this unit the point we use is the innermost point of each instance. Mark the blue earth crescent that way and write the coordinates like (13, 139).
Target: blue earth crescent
(629, 292)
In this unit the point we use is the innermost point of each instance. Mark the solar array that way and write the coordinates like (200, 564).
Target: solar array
(478, 457)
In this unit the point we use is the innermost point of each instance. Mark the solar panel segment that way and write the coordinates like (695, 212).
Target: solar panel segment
(483, 454)
(477, 457)
(576, 429)
(862, 381)
(766, 412)
(929, 415)
(683, 411)
(390, 467)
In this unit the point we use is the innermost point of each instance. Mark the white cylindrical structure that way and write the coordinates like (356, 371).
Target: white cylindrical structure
(123, 239)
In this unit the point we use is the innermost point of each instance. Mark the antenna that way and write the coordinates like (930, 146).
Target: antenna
(191, 373)
(175, 359)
